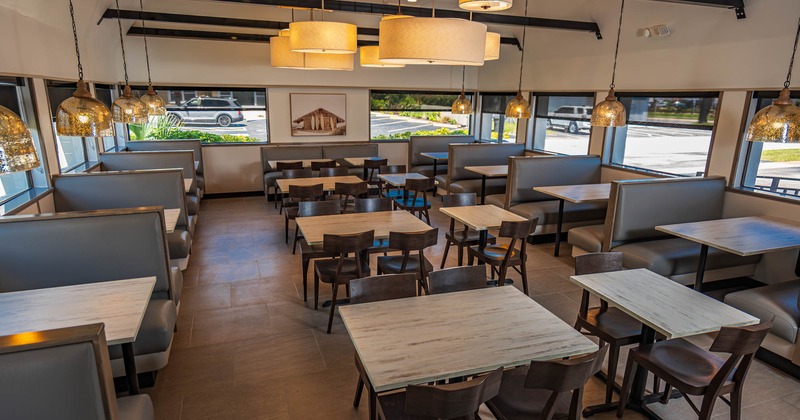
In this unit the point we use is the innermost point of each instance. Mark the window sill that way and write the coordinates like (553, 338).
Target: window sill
(641, 171)
(22, 201)
(83, 167)
(784, 198)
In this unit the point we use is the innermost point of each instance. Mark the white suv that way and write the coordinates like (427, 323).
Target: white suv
(570, 126)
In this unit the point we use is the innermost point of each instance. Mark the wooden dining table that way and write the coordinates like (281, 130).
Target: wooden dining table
(314, 228)
(581, 193)
(488, 171)
(436, 157)
(328, 182)
(359, 161)
(481, 218)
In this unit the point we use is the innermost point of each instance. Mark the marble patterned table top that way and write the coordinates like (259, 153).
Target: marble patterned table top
(399, 180)
(668, 307)
(119, 304)
(481, 217)
(382, 222)
(489, 171)
(581, 193)
(428, 338)
(435, 155)
(741, 235)
(171, 219)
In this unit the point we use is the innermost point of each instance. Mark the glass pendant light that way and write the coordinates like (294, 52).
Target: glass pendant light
(323, 37)
(82, 115)
(17, 152)
(519, 107)
(485, 5)
(462, 105)
(155, 105)
(610, 112)
(779, 122)
(127, 109)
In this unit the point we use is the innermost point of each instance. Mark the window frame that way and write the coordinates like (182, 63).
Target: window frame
(535, 117)
(471, 95)
(502, 120)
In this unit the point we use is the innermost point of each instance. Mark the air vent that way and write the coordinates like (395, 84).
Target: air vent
(736, 5)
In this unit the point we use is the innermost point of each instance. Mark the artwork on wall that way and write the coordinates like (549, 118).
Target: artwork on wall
(318, 114)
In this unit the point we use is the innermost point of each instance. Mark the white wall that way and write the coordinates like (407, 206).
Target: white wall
(280, 117)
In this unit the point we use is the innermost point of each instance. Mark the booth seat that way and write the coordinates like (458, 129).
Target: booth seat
(191, 144)
(97, 246)
(428, 144)
(459, 180)
(113, 190)
(527, 172)
(637, 206)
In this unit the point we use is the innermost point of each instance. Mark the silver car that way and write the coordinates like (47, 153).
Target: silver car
(570, 126)
(220, 111)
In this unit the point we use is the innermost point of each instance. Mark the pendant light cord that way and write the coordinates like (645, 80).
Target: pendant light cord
(122, 44)
(146, 52)
(399, 9)
(75, 36)
(616, 49)
(463, 74)
(522, 56)
(791, 63)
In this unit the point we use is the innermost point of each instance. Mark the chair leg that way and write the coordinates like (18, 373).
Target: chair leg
(460, 255)
(359, 388)
(668, 391)
(707, 408)
(736, 404)
(373, 404)
(296, 235)
(501, 276)
(286, 229)
(524, 273)
(333, 306)
(444, 256)
(316, 290)
(627, 383)
(611, 371)
(306, 262)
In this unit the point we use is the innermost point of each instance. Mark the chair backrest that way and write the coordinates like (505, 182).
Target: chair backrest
(457, 279)
(306, 192)
(413, 241)
(185, 144)
(317, 165)
(478, 154)
(452, 400)
(130, 161)
(283, 166)
(459, 200)
(526, 172)
(347, 244)
(333, 171)
(637, 206)
(375, 163)
(318, 208)
(427, 144)
(351, 188)
(269, 153)
(57, 374)
(519, 229)
(373, 204)
(598, 262)
(393, 169)
(296, 173)
(742, 344)
(419, 185)
(385, 287)
(339, 152)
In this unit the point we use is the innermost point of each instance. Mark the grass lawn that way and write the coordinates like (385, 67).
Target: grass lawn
(781, 155)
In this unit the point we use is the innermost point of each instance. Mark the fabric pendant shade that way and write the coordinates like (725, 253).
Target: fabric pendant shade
(83, 116)
(323, 37)
(609, 113)
(485, 5)
(369, 57)
(492, 46)
(437, 41)
(154, 104)
(128, 109)
(17, 152)
(281, 56)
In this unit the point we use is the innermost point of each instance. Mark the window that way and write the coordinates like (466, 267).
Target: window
(106, 94)
(562, 123)
(213, 115)
(494, 124)
(16, 96)
(771, 167)
(400, 115)
(668, 133)
(71, 150)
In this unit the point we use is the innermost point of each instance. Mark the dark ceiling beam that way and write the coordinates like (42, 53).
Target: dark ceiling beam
(736, 5)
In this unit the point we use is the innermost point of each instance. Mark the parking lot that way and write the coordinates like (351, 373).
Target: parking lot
(254, 125)
(386, 125)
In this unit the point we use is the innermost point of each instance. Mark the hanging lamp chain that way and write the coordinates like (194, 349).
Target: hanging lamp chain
(522, 56)
(122, 44)
(75, 36)
(616, 49)
(794, 51)
(146, 52)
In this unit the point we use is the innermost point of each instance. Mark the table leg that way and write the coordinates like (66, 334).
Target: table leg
(366, 173)
(701, 268)
(435, 188)
(130, 368)
(558, 226)
(483, 189)
(797, 265)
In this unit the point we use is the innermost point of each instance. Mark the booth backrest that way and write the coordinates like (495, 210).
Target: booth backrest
(526, 172)
(63, 249)
(269, 153)
(427, 144)
(637, 206)
(114, 190)
(478, 154)
(153, 145)
(132, 161)
(339, 152)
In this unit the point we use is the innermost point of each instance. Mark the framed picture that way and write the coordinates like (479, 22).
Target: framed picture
(318, 114)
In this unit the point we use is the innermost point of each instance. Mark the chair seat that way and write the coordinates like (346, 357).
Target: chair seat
(393, 194)
(679, 362)
(313, 251)
(135, 407)
(409, 202)
(326, 269)
(393, 407)
(470, 237)
(588, 238)
(514, 401)
(393, 263)
(494, 254)
(613, 323)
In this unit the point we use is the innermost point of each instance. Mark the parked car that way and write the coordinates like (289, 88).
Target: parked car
(569, 125)
(219, 111)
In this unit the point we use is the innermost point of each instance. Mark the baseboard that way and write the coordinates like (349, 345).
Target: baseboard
(212, 196)
(778, 362)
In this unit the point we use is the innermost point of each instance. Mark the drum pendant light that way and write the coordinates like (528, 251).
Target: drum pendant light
(492, 49)
(82, 115)
(127, 109)
(282, 56)
(369, 57)
(462, 105)
(485, 5)
(17, 152)
(323, 37)
(519, 107)
(610, 112)
(779, 122)
(155, 105)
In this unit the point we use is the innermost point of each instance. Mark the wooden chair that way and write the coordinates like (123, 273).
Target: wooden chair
(384, 187)
(346, 190)
(504, 256)
(609, 324)
(283, 166)
(316, 166)
(457, 279)
(333, 171)
(309, 252)
(292, 174)
(695, 371)
(462, 238)
(341, 269)
(460, 400)
(546, 390)
(372, 165)
(376, 289)
(297, 194)
(406, 243)
(417, 191)
(370, 205)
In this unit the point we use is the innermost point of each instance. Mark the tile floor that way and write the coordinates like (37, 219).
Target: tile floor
(248, 347)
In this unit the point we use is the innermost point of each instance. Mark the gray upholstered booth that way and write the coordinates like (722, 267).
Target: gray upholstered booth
(131, 161)
(427, 144)
(63, 374)
(459, 180)
(637, 206)
(113, 190)
(339, 152)
(193, 145)
(97, 246)
(526, 172)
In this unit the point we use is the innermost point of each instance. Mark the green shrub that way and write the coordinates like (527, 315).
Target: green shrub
(444, 131)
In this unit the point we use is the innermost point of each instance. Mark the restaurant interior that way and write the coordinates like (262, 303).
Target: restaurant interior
(399, 209)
